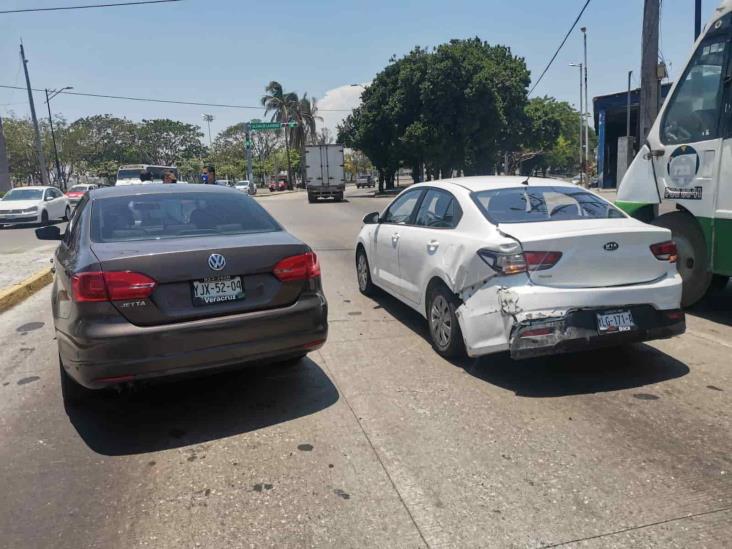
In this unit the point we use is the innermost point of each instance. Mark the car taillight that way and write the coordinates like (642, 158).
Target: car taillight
(665, 251)
(515, 263)
(298, 267)
(111, 286)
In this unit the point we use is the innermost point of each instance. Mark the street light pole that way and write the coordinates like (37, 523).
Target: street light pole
(587, 114)
(53, 135)
(581, 120)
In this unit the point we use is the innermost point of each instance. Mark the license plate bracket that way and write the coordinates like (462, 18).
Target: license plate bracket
(616, 321)
(216, 290)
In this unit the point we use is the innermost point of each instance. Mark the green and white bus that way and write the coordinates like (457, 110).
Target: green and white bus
(681, 178)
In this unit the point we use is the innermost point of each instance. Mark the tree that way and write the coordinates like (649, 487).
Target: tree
(283, 106)
(165, 142)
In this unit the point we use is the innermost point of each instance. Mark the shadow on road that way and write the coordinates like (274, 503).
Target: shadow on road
(595, 371)
(194, 411)
(716, 306)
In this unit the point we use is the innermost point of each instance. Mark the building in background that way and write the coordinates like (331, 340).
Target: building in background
(610, 115)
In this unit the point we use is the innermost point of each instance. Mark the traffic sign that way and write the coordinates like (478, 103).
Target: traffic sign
(270, 126)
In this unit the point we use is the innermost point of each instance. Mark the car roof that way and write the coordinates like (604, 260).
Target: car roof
(489, 182)
(38, 187)
(153, 188)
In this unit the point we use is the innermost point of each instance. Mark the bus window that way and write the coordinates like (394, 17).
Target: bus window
(693, 112)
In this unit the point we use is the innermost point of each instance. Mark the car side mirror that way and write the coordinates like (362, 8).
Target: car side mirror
(371, 219)
(50, 232)
(48, 199)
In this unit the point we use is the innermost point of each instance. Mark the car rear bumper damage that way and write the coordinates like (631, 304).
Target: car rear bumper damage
(100, 355)
(578, 330)
(493, 316)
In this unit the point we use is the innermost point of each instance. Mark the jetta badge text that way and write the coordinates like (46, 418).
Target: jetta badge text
(216, 262)
(611, 246)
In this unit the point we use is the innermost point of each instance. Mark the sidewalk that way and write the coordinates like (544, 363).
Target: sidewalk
(16, 266)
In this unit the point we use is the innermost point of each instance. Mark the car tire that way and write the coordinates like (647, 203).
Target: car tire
(442, 322)
(67, 214)
(72, 393)
(363, 273)
(312, 199)
(693, 258)
(44, 218)
(339, 197)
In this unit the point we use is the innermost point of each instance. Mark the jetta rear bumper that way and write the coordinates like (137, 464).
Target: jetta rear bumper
(578, 330)
(104, 354)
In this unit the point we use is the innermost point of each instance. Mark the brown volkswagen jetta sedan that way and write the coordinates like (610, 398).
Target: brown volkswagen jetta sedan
(159, 280)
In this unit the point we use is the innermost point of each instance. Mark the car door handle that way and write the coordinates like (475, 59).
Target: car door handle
(432, 246)
(395, 238)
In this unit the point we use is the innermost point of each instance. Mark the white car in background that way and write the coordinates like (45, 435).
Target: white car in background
(34, 205)
(245, 186)
(531, 266)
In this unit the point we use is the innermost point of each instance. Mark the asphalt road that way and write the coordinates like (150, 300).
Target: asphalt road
(375, 441)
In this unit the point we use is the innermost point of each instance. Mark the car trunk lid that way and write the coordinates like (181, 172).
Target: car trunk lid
(595, 253)
(175, 264)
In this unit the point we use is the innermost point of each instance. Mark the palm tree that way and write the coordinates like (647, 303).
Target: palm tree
(306, 131)
(283, 107)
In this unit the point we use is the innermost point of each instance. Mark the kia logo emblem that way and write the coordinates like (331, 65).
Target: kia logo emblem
(609, 246)
(216, 262)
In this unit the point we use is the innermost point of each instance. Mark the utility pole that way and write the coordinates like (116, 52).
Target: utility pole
(627, 107)
(61, 181)
(582, 123)
(4, 165)
(587, 115)
(697, 18)
(248, 146)
(649, 68)
(39, 145)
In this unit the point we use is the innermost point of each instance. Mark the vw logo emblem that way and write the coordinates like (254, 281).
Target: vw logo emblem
(216, 262)
(609, 246)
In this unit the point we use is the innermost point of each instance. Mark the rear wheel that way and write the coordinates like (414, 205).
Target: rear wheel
(693, 258)
(311, 198)
(363, 271)
(445, 333)
(339, 197)
(72, 393)
(44, 218)
(67, 214)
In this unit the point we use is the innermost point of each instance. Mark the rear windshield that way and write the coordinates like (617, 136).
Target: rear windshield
(530, 204)
(78, 189)
(177, 215)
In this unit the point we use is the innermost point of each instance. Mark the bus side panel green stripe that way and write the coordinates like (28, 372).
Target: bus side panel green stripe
(631, 207)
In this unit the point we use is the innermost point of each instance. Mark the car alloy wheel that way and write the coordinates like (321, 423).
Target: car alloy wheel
(365, 285)
(440, 322)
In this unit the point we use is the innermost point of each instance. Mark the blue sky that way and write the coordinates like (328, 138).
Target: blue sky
(226, 51)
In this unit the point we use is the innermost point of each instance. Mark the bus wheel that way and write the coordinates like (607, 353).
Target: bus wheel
(693, 259)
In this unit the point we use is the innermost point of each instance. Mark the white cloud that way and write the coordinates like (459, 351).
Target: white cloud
(343, 97)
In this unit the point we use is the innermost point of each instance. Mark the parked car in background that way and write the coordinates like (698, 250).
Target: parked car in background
(163, 280)
(364, 181)
(531, 267)
(33, 205)
(246, 186)
(75, 193)
(278, 184)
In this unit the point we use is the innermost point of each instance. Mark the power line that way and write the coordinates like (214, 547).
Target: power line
(560, 46)
(170, 101)
(90, 6)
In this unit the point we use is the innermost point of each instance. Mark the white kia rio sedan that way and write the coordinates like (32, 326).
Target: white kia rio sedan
(533, 267)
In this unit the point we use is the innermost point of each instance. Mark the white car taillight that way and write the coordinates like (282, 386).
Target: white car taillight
(514, 263)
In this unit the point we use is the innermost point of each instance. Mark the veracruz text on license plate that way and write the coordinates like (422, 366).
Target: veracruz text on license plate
(616, 321)
(217, 290)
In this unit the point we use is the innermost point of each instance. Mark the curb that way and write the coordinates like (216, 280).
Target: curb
(18, 292)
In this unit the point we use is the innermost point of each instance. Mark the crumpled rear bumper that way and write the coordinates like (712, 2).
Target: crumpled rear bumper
(577, 330)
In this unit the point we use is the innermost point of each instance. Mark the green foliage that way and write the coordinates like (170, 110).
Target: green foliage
(454, 108)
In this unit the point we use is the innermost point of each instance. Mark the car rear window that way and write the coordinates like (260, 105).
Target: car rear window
(177, 215)
(547, 203)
